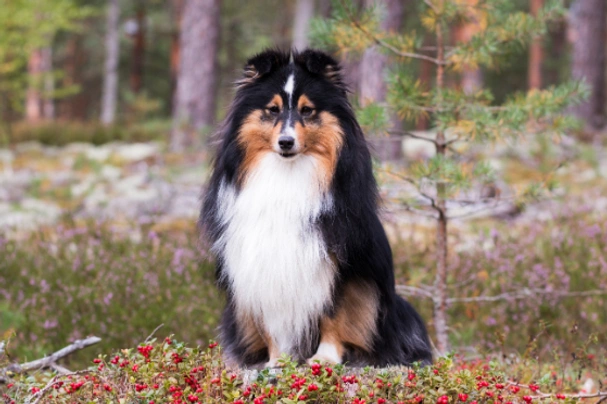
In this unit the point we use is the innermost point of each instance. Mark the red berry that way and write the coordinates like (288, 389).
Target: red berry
(561, 396)
(312, 387)
(411, 376)
(462, 397)
(528, 399)
(499, 386)
(534, 387)
(381, 401)
(443, 400)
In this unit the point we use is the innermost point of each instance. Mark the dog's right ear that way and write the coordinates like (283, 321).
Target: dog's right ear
(262, 64)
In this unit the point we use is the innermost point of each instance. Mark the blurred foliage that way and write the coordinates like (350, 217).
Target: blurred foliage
(529, 265)
(60, 133)
(120, 282)
(27, 25)
(502, 30)
(92, 279)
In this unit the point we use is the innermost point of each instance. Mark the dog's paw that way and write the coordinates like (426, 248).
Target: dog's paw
(273, 363)
(326, 353)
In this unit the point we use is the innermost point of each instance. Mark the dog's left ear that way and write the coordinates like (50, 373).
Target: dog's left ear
(317, 62)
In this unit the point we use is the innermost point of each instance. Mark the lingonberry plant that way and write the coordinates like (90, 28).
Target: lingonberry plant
(459, 118)
(168, 371)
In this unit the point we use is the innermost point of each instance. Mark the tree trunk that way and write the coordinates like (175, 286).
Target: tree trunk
(48, 103)
(110, 73)
(33, 102)
(587, 32)
(195, 98)
(38, 102)
(372, 80)
(177, 12)
(534, 72)
(138, 50)
(471, 79)
(442, 247)
(304, 11)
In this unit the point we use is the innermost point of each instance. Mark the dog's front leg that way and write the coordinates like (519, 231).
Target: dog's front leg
(330, 349)
(273, 353)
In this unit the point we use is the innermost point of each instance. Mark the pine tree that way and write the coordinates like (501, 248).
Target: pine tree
(457, 116)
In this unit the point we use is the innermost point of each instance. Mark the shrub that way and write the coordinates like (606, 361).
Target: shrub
(91, 279)
(60, 133)
(167, 371)
(534, 271)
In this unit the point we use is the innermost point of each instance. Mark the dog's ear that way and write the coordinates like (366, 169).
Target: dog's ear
(318, 62)
(262, 64)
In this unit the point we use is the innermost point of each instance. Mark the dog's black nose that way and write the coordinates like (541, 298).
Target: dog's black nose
(286, 142)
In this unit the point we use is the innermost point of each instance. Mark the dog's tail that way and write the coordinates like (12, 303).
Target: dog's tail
(402, 337)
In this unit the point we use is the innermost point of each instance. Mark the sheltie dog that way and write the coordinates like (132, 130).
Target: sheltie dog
(291, 215)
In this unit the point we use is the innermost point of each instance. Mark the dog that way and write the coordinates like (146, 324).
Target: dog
(290, 212)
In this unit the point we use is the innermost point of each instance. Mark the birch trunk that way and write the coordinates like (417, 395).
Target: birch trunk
(304, 10)
(587, 32)
(195, 97)
(372, 79)
(109, 96)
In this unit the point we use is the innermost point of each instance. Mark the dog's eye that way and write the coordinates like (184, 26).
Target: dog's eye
(274, 110)
(306, 111)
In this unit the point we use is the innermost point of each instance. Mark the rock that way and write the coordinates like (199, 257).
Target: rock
(28, 215)
(6, 161)
(111, 173)
(29, 147)
(83, 187)
(77, 148)
(137, 151)
(99, 153)
(418, 149)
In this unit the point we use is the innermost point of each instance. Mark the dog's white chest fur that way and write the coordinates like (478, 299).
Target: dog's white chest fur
(273, 254)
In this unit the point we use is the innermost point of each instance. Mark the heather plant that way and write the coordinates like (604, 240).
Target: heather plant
(459, 118)
(168, 371)
(116, 282)
(516, 282)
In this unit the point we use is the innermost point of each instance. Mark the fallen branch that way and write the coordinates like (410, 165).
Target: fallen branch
(152, 334)
(50, 360)
(526, 293)
(405, 290)
(537, 394)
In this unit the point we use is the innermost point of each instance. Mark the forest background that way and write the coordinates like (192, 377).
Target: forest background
(107, 110)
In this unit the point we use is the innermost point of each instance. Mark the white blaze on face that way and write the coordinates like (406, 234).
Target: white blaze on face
(289, 87)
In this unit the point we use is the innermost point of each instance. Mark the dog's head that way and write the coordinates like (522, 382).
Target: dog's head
(290, 105)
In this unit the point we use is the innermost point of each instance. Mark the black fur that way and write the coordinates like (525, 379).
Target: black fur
(352, 230)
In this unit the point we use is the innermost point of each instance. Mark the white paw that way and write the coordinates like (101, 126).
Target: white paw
(326, 353)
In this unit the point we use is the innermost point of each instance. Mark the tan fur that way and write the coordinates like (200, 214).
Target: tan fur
(354, 322)
(323, 140)
(321, 137)
(257, 135)
(252, 338)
